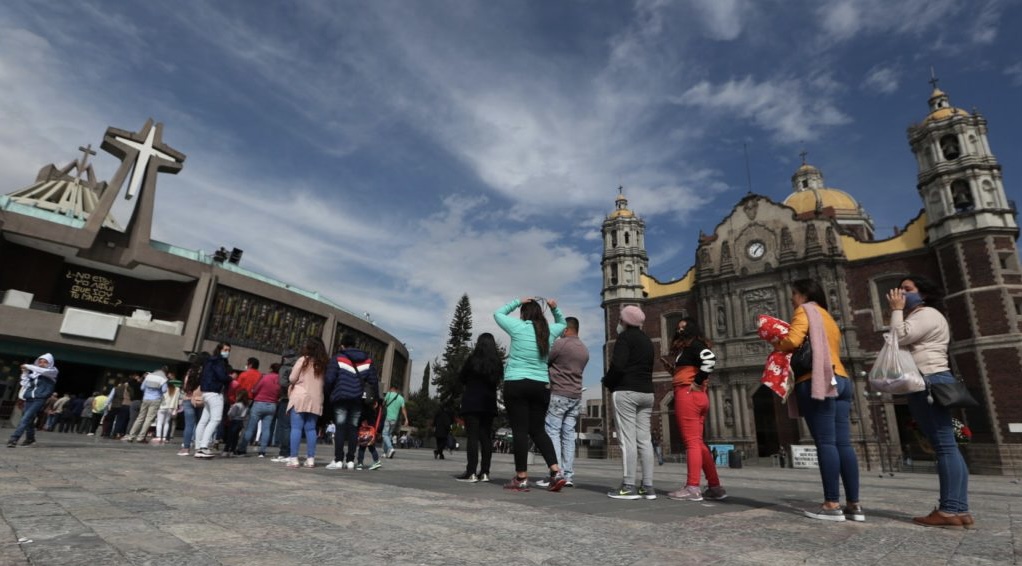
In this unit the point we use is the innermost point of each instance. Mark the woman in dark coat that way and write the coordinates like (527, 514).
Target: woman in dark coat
(481, 375)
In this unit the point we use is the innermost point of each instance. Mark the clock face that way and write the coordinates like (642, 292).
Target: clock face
(756, 249)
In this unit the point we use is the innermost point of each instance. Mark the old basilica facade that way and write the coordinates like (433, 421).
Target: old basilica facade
(964, 238)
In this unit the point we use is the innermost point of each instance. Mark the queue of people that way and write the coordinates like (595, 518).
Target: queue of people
(542, 389)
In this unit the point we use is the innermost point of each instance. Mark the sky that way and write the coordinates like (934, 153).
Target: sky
(396, 155)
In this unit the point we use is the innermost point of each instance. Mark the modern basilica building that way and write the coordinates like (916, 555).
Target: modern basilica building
(107, 300)
(964, 238)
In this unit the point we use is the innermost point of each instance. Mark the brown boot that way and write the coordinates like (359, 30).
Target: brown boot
(939, 519)
(967, 521)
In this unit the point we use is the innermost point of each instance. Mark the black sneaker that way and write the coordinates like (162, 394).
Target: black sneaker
(467, 477)
(28, 442)
(624, 492)
(12, 444)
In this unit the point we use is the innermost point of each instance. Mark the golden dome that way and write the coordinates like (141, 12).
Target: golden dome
(805, 201)
(944, 114)
(621, 213)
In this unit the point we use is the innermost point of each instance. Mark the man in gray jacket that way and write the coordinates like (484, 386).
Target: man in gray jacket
(567, 360)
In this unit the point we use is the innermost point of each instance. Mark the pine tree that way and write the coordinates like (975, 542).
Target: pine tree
(447, 371)
(425, 381)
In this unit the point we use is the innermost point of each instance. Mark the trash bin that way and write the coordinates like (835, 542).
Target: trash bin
(734, 459)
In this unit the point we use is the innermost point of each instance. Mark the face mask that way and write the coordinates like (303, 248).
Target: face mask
(225, 354)
(620, 328)
(912, 300)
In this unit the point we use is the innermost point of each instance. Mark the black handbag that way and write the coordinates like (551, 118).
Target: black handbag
(951, 395)
(802, 359)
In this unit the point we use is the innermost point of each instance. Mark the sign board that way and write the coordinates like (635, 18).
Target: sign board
(721, 452)
(804, 457)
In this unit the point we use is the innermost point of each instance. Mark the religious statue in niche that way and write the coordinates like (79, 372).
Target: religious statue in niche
(757, 302)
(787, 242)
(725, 253)
(812, 238)
(835, 306)
(629, 274)
(729, 413)
(831, 238)
(721, 321)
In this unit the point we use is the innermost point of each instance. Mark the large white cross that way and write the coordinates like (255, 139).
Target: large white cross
(146, 151)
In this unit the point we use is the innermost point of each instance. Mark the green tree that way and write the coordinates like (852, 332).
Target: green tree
(425, 381)
(447, 371)
(421, 409)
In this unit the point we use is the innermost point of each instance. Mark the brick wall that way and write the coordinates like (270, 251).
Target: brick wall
(979, 263)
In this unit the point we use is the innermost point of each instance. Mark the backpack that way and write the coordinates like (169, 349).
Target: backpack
(367, 432)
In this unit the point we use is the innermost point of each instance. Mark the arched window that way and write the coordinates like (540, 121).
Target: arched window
(627, 238)
(949, 147)
(961, 196)
(613, 239)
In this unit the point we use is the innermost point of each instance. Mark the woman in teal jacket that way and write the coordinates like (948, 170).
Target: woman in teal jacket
(527, 384)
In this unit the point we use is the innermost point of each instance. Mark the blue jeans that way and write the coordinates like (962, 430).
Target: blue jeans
(27, 424)
(303, 422)
(388, 428)
(261, 412)
(346, 415)
(189, 433)
(561, 417)
(830, 424)
(935, 422)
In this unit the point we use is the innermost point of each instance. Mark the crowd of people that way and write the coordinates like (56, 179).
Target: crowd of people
(541, 381)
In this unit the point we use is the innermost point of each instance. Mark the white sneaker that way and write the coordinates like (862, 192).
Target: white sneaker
(350, 465)
(335, 465)
(390, 453)
(279, 459)
(310, 463)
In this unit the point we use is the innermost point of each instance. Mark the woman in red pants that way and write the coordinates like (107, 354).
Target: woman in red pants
(692, 364)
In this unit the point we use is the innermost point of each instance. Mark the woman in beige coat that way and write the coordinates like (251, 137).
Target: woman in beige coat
(306, 399)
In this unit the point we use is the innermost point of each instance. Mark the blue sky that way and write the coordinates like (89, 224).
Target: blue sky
(394, 155)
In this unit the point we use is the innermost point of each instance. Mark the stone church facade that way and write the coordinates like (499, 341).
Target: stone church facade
(964, 238)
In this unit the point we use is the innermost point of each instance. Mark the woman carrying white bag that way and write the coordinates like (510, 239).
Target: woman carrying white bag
(918, 324)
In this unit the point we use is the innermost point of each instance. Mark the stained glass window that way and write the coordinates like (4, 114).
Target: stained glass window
(246, 320)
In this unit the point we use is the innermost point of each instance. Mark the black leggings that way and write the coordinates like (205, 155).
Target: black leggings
(479, 429)
(527, 401)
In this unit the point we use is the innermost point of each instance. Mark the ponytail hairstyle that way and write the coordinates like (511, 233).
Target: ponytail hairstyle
(532, 312)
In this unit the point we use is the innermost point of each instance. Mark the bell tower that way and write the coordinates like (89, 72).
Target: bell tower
(959, 178)
(972, 230)
(624, 254)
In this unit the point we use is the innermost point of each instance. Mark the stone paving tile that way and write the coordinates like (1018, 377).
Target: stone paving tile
(121, 504)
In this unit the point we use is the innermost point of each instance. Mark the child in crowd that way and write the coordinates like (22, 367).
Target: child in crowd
(367, 437)
(236, 416)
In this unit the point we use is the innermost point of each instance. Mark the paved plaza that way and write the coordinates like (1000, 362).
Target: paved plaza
(81, 500)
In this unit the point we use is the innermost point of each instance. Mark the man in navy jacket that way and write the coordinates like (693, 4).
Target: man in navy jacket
(351, 380)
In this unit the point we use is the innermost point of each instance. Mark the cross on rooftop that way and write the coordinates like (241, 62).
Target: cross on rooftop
(803, 155)
(933, 78)
(84, 161)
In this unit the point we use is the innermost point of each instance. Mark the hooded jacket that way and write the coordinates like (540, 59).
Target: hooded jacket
(345, 374)
(214, 376)
(38, 382)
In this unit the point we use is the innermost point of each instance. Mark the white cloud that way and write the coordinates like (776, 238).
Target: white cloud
(842, 20)
(882, 79)
(1014, 72)
(723, 19)
(786, 108)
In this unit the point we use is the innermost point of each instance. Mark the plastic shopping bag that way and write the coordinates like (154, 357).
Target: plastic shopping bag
(894, 370)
